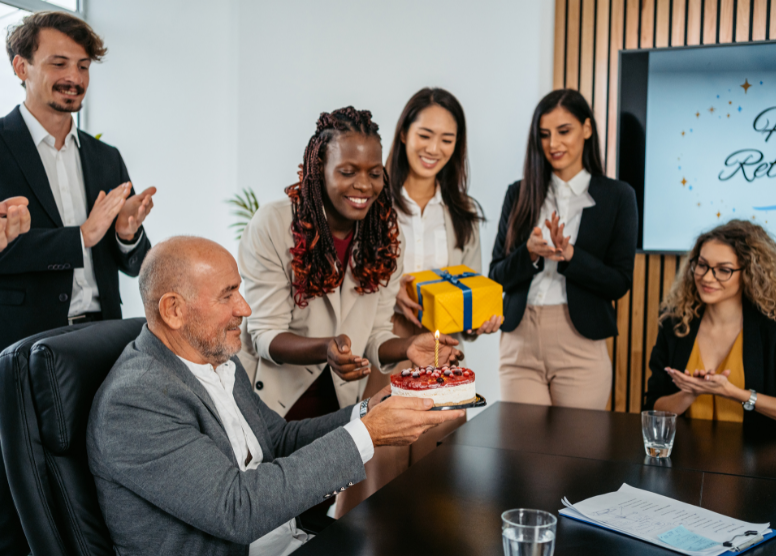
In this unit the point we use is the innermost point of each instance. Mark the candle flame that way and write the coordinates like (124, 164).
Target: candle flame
(436, 334)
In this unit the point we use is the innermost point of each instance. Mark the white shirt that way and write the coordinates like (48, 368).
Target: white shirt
(219, 384)
(425, 237)
(568, 199)
(66, 179)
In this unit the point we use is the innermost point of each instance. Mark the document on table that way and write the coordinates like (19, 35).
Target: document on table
(662, 521)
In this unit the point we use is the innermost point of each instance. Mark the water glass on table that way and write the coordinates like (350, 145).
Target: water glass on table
(528, 532)
(658, 429)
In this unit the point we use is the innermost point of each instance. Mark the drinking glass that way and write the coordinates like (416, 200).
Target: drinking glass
(658, 429)
(528, 532)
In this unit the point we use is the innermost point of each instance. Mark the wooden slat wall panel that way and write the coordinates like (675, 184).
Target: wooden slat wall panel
(586, 50)
(694, 21)
(632, 25)
(726, 13)
(637, 333)
(678, 22)
(572, 45)
(669, 274)
(621, 361)
(772, 34)
(710, 22)
(616, 38)
(743, 11)
(559, 65)
(653, 309)
(647, 24)
(589, 36)
(600, 99)
(759, 19)
(662, 19)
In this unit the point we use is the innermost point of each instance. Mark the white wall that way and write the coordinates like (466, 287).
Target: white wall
(204, 98)
(165, 96)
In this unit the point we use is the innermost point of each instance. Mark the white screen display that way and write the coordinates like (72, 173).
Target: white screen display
(711, 142)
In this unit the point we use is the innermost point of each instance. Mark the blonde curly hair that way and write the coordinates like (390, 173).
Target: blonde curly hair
(756, 252)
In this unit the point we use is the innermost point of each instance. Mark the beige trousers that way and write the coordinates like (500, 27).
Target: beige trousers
(545, 361)
(391, 461)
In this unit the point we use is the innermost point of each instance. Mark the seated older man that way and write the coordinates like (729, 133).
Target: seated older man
(186, 459)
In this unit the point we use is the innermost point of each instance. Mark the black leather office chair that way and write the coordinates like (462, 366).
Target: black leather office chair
(47, 384)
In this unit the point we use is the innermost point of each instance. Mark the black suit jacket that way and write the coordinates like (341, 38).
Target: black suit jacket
(36, 270)
(759, 359)
(600, 272)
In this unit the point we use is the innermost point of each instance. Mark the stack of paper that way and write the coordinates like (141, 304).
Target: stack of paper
(664, 521)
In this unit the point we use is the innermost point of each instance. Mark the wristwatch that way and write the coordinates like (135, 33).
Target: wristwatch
(365, 407)
(749, 404)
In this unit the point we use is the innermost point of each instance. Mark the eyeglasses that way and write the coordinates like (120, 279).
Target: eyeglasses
(720, 273)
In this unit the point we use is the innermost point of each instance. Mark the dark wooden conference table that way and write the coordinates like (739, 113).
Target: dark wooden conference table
(527, 456)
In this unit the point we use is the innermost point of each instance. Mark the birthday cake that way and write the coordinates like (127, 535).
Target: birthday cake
(445, 386)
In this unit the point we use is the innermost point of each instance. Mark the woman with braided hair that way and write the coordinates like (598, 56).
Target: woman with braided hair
(440, 222)
(321, 274)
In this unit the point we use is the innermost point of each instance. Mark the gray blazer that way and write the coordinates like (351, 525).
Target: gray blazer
(166, 476)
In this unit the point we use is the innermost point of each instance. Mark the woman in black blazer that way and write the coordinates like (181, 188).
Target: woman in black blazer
(715, 356)
(564, 252)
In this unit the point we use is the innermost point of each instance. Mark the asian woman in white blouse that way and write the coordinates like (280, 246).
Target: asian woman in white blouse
(427, 166)
(564, 252)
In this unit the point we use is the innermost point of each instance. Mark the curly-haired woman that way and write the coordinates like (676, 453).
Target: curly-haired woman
(320, 273)
(715, 356)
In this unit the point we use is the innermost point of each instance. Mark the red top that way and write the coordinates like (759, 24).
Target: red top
(343, 247)
(425, 378)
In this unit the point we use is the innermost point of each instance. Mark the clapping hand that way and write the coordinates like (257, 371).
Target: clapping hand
(14, 219)
(104, 211)
(702, 382)
(343, 362)
(132, 214)
(562, 244)
(538, 247)
(421, 351)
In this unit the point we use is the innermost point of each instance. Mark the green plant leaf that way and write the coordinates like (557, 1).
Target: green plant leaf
(245, 206)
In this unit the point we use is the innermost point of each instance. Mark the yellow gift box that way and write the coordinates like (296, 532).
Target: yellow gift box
(455, 298)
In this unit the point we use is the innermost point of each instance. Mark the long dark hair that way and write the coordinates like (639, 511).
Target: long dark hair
(317, 270)
(465, 212)
(537, 169)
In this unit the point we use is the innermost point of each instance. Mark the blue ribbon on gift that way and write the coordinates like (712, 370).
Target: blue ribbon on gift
(454, 279)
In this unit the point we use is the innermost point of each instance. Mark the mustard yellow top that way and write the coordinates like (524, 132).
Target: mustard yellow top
(709, 406)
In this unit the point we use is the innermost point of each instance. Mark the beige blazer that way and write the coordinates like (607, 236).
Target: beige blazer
(264, 259)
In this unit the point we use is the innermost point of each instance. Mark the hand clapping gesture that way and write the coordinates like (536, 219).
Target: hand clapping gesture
(14, 219)
(537, 246)
(704, 382)
(132, 214)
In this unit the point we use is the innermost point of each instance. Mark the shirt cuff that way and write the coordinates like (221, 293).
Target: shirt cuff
(126, 248)
(357, 430)
(537, 262)
(84, 249)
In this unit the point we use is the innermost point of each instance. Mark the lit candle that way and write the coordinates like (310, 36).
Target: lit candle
(436, 349)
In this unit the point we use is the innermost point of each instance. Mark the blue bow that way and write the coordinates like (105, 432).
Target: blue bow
(454, 279)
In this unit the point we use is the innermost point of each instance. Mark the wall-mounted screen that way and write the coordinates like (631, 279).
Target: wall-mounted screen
(702, 126)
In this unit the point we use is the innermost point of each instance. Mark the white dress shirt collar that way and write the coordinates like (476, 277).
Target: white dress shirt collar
(578, 184)
(39, 133)
(435, 200)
